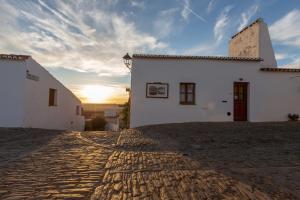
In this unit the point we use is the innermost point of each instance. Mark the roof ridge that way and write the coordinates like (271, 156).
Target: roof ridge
(251, 24)
(275, 69)
(196, 57)
(13, 57)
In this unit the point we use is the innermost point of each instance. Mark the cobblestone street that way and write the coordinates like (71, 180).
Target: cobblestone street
(66, 167)
(205, 161)
(177, 161)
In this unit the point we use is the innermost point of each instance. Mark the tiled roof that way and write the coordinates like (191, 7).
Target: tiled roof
(13, 57)
(155, 56)
(273, 69)
(256, 21)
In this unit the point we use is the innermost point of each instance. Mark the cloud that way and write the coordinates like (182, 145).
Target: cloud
(247, 15)
(80, 35)
(286, 30)
(137, 3)
(205, 49)
(165, 22)
(221, 23)
(281, 56)
(210, 6)
(294, 65)
(187, 10)
(220, 30)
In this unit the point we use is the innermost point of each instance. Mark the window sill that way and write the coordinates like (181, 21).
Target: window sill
(187, 104)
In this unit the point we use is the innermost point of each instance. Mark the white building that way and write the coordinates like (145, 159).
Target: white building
(112, 119)
(32, 98)
(246, 86)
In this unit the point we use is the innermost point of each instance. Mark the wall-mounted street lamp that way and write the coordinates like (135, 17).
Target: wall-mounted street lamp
(127, 61)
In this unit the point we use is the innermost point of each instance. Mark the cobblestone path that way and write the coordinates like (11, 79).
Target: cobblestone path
(66, 168)
(159, 163)
(179, 161)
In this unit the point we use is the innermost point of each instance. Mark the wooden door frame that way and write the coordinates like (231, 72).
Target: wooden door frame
(246, 99)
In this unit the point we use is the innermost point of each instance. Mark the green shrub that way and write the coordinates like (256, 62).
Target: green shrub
(96, 124)
(125, 115)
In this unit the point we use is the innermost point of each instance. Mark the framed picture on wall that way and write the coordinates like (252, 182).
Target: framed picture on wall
(157, 90)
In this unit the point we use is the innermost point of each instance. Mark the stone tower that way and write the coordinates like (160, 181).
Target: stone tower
(253, 41)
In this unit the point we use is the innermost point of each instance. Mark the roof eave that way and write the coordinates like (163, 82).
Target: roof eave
(187, 57)
(273, 69)
(14, 57)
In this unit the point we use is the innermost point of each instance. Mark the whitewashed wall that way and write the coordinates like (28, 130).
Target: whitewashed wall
(12, 85)
(38, 113)
(24, 102)
(265, 46)
(275, 94)
(272, 95)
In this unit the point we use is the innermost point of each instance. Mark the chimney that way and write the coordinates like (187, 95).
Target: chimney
(253, 41)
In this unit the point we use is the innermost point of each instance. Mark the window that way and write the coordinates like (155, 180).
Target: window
(187, 93)
(52, 97)
(78, 110)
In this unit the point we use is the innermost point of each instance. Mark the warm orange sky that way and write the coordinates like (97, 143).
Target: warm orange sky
(101, 94)
(91, 88)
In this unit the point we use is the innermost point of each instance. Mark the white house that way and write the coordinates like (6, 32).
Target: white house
(246, 86)
(112, 118)
(32, 98)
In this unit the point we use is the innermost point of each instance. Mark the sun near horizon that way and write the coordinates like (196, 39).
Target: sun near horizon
(100, 94)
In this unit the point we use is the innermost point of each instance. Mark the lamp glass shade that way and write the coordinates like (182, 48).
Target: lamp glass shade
(127, 59)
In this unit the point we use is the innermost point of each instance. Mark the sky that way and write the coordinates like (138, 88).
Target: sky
(82, 42)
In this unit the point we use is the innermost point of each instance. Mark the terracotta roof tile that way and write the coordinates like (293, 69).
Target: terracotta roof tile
(273, 69)
(156, 56)
(13, 57)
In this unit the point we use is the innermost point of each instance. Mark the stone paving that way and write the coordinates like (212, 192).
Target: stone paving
(176, 161)
(65, 168)
(16, 143)
(205, 161)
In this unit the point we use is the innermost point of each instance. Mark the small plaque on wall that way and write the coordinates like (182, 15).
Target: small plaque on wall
(157, 90)
(31, 76)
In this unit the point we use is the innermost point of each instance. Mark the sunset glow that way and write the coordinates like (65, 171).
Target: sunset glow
(102, 94)
(96, 93)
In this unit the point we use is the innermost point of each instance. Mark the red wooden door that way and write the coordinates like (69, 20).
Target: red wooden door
(240, 101)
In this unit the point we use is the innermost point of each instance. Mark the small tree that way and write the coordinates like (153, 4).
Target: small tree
(126, 114)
